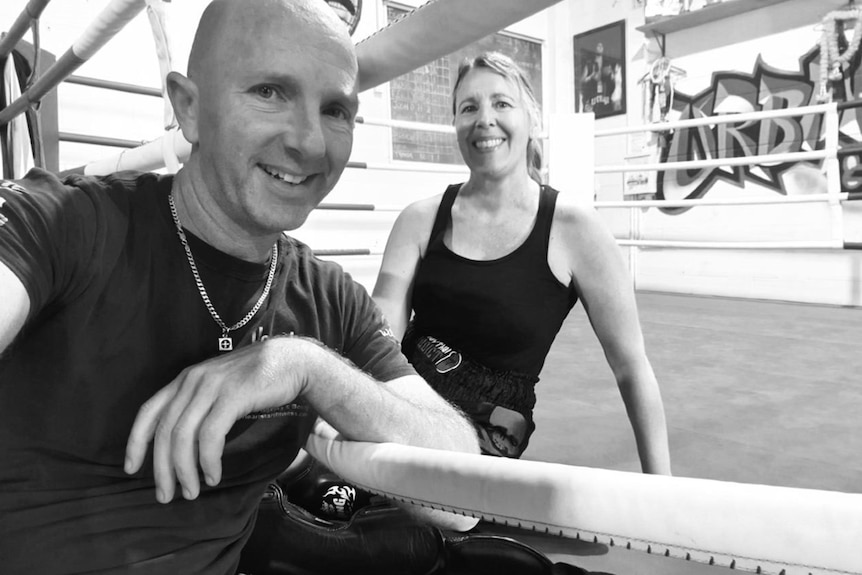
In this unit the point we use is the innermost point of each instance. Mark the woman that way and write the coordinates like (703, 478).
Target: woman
(490, 269)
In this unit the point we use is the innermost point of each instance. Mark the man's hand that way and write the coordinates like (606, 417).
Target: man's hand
(189, 418)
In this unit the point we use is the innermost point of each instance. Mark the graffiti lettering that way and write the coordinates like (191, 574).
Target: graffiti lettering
(766, 88)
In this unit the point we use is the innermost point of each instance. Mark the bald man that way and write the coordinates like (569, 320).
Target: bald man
(166, 349)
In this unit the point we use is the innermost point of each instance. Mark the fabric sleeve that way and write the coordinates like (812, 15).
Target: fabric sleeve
(370, 343)
(49, 233)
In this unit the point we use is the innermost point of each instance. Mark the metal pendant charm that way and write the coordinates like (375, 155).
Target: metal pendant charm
(225, 344)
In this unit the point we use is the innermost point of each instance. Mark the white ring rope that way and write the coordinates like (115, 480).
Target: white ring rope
(718, 162)
(740, 245)
(169, 155)
(155, 154)
(149, 156)
(347, 252)
(411, 125)
(407, 124)
(629, 204)
(111, 20)
(744, 526)
(458, 169)
(172, 145)
(158, 23)
(671, 244)
(755, 201)
(722, 119)
(433, 30)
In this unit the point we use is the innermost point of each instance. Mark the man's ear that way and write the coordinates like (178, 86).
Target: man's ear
(184, 99)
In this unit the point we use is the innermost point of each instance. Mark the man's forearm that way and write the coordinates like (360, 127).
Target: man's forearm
(404, 410)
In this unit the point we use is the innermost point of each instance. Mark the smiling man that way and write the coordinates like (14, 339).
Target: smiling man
(166, 349)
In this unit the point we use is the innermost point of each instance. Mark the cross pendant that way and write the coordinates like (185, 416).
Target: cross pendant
(225, 343)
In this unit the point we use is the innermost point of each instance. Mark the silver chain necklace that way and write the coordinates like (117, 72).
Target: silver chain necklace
(225, 342)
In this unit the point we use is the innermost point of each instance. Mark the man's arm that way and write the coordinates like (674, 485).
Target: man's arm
(14, 306)
(189, 419)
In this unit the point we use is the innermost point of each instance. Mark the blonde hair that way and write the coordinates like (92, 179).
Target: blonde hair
(506, 67)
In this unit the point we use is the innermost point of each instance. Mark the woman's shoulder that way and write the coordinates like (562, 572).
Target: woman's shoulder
(578, 228)
(425, 206)
(422, 210)
(415, 222)
(571, 209)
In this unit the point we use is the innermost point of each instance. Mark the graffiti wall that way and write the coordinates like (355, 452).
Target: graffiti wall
(772, 72)
(764, 88)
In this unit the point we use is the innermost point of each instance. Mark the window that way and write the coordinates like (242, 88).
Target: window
(424, 95)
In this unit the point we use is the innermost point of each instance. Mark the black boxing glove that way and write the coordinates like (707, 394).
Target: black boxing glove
(377, 540)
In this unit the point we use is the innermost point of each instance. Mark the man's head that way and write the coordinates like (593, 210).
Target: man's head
(269, 106)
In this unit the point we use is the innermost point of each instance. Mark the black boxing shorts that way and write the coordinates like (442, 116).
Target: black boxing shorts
(499, 403)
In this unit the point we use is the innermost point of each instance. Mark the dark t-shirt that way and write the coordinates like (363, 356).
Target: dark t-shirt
(115, 316)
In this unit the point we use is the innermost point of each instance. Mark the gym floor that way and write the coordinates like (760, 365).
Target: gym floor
(754, 392)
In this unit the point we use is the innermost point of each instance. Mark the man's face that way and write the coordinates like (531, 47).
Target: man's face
(277, 103)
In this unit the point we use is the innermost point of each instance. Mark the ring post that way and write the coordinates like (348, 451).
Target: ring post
(571, 155)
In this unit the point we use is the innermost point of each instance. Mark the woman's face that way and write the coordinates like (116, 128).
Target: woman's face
(492, 124)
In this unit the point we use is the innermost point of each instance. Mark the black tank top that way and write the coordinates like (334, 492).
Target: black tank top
(502, 313)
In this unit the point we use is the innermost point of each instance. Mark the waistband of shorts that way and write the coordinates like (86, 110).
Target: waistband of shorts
(470, 381)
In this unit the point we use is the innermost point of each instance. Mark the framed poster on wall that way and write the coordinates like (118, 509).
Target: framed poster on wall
(600, 70)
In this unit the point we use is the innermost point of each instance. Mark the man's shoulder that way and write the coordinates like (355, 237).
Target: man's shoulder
(310, 273)
(299, 251)
(300, 256)
(38, 182)
(118, 182)
(47, 197)
(54, 210)
(35, 181)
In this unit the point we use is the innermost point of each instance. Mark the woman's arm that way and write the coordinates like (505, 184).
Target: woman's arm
(405, 247)
(605, 286)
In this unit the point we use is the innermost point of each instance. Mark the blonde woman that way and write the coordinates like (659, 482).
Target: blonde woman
(478, 280)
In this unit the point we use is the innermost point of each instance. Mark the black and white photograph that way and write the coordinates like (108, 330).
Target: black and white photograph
(430, 287)
(600, 70)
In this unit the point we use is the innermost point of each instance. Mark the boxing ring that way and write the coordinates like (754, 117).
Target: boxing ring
(650, 524)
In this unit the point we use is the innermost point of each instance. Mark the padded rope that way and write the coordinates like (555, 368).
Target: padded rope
(158, 18)
(750, 527)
